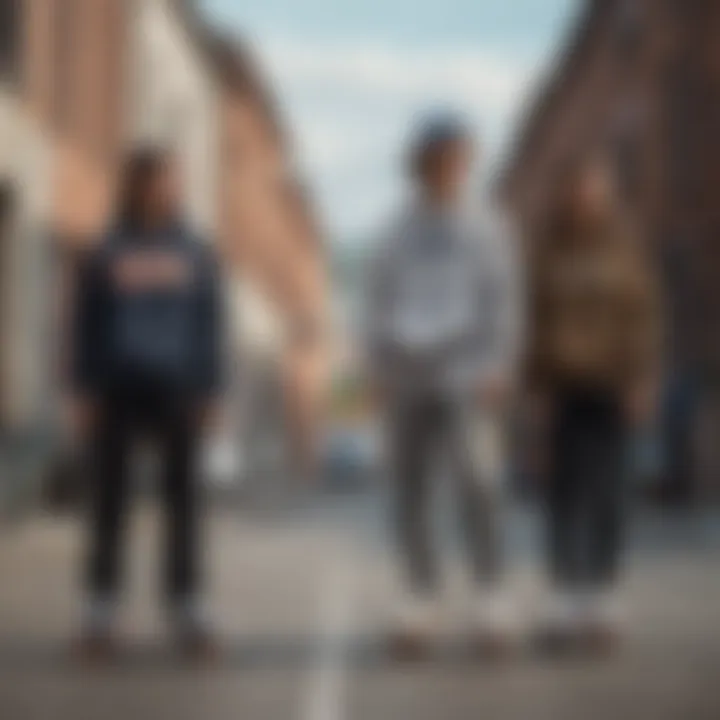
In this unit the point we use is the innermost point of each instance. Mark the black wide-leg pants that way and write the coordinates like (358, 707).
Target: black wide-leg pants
(587, 488)
(169, 421)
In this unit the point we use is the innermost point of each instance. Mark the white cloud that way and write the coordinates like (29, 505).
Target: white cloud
(459, 73)
(350, 105)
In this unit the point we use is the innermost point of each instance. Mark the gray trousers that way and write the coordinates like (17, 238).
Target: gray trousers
(422, 430)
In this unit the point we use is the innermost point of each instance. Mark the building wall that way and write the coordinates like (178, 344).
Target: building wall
(640, 80)
(253, 228)
(618, 89)
(265, 228)
(24, 261)
(100, 75)
(77, 89)
(604, 95)
(25, 178)
(174, 101)
(272, 246)
(75, 75)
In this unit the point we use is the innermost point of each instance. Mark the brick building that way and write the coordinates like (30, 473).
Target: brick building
(81, 81)
(641, 79)
(173, 100)
(274, 246)
(25, 206)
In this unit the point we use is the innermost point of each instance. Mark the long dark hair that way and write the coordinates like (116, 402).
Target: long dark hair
(568, 175)
(142, 166)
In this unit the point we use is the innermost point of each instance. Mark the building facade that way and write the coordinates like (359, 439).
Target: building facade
(82, 81)
(173, 99)
(274, 248)
(641, 80)
(76, 92)
(25, 206)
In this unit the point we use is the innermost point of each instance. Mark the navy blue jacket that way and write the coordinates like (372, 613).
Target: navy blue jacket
(149, 313)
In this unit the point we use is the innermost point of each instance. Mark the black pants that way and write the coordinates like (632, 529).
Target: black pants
(586, 489)
(419, 430)
(169, 421)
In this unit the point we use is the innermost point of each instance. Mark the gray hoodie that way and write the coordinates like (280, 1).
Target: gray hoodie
(443, 301)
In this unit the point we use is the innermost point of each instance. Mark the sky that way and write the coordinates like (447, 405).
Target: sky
(351, 75)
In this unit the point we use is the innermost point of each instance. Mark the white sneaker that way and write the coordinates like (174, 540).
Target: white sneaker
(97, 640)
(415, 623)
(565, 614)
(496, 619)
(605, 611)
(190, 618)
(98, 616)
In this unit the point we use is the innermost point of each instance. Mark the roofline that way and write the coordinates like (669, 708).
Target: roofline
(231, 62)
(575, 46)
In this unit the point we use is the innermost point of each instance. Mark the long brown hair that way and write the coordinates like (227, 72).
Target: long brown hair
(141, 167)
(568, 176)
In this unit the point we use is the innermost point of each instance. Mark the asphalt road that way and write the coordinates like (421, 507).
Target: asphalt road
(301, 599)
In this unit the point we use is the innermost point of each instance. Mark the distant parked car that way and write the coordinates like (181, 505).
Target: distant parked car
(350, 457)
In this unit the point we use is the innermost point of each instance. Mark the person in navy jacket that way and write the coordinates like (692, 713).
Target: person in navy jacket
(147, 357)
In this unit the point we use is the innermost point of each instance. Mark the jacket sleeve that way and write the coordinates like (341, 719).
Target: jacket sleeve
(211, 327)
(509, 298)
(646, 315)
(88, 320)
(540, 313)
(377, 288)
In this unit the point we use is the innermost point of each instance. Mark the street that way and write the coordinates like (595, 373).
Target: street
(301, 598)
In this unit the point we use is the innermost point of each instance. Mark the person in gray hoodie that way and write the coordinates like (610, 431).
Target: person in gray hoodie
(443, 330)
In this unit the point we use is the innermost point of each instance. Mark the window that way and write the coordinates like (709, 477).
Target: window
(10, 40)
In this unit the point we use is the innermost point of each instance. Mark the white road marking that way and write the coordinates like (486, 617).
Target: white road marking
(325, 698)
